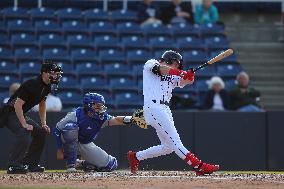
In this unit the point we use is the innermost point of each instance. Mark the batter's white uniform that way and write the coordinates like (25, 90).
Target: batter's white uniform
(157, 91)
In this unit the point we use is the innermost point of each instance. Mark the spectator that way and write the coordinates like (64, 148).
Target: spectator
(13, 88)
(148, 13)
(216, 98)
(244, 98)
(206, 13)
(53, 104)
(177, 12)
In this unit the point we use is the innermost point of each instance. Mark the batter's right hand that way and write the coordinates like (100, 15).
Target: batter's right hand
(29, 127)
(60, 154)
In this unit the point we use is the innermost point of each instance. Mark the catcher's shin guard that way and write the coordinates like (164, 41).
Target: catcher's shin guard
(133, 162)
(199, 167)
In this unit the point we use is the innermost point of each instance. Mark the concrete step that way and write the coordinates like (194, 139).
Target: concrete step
(267, 83)
(233, 19)
(259, 46)
(267, 69)
(267, 59)
(270, 90)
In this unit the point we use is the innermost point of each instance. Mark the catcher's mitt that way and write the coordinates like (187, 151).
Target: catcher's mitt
(138, 119)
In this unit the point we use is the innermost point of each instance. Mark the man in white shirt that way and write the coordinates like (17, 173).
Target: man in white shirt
(159, 79)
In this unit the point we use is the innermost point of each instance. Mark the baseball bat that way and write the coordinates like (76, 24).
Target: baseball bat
(217, 58)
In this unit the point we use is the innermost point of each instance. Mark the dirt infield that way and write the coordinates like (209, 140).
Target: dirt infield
(144, 179)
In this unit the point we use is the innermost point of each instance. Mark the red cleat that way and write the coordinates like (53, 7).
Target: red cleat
(133, 162)
(206, 169)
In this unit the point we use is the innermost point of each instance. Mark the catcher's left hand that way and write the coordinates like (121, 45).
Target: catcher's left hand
(138, 119)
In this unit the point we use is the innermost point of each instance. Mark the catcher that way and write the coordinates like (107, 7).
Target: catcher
(77, 131)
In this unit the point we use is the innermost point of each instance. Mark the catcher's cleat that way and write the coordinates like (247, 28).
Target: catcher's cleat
(133, 162)
(199, 167)
(206, 169)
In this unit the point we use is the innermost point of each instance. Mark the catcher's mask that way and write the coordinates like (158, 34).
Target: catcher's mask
(54, 72)
(169, 56)
(94, 105)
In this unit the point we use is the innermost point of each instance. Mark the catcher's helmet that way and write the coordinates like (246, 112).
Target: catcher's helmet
(170, 55)
(93, 98)
(54, 70)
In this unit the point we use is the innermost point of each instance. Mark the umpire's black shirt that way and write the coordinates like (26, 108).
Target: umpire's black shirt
(32, 91)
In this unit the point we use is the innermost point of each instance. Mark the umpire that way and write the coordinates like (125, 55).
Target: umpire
(25, 155)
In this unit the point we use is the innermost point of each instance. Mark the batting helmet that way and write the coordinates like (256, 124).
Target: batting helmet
(170, 55)
(93, 98)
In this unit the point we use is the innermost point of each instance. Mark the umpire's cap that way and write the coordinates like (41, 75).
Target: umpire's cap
(170, 55)
(50, 66)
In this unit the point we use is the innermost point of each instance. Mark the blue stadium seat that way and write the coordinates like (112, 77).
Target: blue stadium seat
(230, 60)
(138, 71)
(185, 30)
(106, 42)
(137, 56)
(69, 14)
(190, 43)
(129, 28)
(156, 30)
(111, 55)
(194, 57)
(102, 28)
(158, 54)
(5, 53)
(79, 40)
(56, 54)
(212, 30)
(19, 25)
(122, 84)
(128, 101)
(229, 70)
(3, 94)
(93, 15)
(27, 53)
(162, 42)
(26, 76)
(216, 43)
(14, 13)
(52, 40)
(230, 84)
(70, 99)
(67, 67)
(8, 67)
(116, 69)
(209, 72)
(134, 42)
(68, 81)
(74, 27)
(201, 85)
(83, 55)
(7, 79)
(185, 90)
(23, 39)
(42, 13)
(47, 27)
(4, 40)
(93, 82)
(30, 67)
(123, 16)
(86, 67)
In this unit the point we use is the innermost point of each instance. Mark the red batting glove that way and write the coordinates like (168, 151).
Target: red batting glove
(177, 72)
(189, 75)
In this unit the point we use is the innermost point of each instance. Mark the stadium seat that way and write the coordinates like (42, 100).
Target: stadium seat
(138, 71)
(83, 55)
(6, 79)
(20, 26)
(156, 30)
(47, 27)
(106, 42)
(129, 28)
(229, 70)
(56, 54)
(138, 56)
(230, 84)
(4, 40)
(161, 42)
(185, 30)
(93, 82)
(5, 53)
(68, 81)
(123, 16)
(134, 42)
(94, 15)
(190, 43)
(209, 71)
(69, 14)
(30, 67)
(14, 13)
(201, 85)
(42, 13)
(102, 28)
(88, 68)
(27, 53)
(3, 94)
(52, 40)
(74, 27)
(216, 43)
(26, 76)
(128, 101)
(194, 57)
(70, 99)
(211, 29)
(111, 55)
(66, 66)
(122, 84)
(8, 67)
(230, 60)
(23, 39)
(79, 41)
(116, 69)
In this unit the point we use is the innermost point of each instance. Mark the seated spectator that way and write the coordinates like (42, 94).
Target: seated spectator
(148, 13)
(217, 98)
(12, 89)
(53, 104)
(177, 12)
(206, 13)
(244, 98)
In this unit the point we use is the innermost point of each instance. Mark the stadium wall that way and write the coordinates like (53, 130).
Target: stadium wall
(236, 141)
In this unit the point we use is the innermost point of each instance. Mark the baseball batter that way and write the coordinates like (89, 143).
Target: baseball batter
(159, 79)
(77, 131)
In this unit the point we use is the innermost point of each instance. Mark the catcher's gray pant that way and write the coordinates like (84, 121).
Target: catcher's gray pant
(160, 117)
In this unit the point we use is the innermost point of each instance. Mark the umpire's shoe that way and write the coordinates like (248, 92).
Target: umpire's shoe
(17, 170)
(133, 162)
(35, 168)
